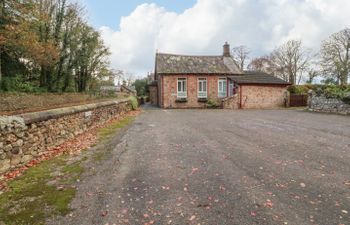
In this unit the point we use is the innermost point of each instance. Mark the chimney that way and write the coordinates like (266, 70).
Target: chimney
(227, 50)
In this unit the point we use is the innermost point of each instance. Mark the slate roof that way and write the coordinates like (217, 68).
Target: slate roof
(185, 64)
(255, 77)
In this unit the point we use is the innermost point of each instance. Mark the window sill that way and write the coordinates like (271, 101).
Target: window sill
(181, 100)
(202, 99)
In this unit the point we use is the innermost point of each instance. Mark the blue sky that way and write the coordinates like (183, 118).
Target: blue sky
(109, 12)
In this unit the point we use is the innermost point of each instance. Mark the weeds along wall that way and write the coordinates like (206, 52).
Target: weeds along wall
(28, 136)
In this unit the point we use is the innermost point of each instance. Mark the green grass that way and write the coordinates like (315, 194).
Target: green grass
(30, 199)
(107, 132)
(134, 102)
(34, 196)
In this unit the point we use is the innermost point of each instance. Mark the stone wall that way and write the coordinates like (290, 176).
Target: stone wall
(27, 136)
(329, 105)
(231, 102)
(22, 102)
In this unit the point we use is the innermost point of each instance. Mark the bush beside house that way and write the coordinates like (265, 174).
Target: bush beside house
(328, 91)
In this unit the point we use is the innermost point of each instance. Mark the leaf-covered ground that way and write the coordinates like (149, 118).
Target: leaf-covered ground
(219, 167)
(45, 187)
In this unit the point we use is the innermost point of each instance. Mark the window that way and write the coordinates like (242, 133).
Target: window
(231, 88)
(222, 89)
(202, 87)
(181, 88)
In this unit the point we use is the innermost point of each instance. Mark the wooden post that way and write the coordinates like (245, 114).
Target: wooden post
(287, 99)
(309, 98)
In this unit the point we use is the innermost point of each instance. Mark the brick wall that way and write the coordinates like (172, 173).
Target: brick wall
(170, 91)
(253, 96)
(153, 95)
(263, 96)
(27, 136)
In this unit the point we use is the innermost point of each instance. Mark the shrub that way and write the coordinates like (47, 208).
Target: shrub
(212, 104)
(18, 84)
(299, 89)
(134, 102)
(329, 91)
(346, 98)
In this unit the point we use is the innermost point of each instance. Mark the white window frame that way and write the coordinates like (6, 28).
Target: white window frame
(231, 88)
(223, 81)
(202, 94)
(182, 93)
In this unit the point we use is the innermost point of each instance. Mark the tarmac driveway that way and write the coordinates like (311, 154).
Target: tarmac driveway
(221, 167)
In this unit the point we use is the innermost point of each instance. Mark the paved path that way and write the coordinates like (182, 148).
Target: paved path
(222, 167)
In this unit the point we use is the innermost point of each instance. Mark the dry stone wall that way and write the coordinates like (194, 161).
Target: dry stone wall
(329, 105)
(27, 136)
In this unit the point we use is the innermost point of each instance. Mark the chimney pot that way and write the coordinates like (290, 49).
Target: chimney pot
(227, 50)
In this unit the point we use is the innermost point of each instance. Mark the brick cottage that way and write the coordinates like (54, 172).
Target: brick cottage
(182, 81)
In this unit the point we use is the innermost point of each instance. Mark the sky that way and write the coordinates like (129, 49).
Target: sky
(135, 29)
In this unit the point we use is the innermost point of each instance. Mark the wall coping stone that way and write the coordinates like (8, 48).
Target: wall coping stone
(34, 117)
(7, 120)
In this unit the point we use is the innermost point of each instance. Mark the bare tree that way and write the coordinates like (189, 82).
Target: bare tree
(290, 60)
(129, 78)
(314, 69)
(241, 55)
(311, 75)
(261, 64)
(335, 56)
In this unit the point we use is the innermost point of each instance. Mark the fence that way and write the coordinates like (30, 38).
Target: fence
(298, 100)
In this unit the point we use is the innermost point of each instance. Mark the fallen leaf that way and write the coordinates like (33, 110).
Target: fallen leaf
(268, 203)
(192, 217)
(104, 213)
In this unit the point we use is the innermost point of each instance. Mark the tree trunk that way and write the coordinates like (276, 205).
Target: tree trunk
(344, 78)
(42, 76)
(0, 66)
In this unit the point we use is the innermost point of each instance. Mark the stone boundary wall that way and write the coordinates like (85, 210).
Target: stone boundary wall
(27, 136)
(328, 105)
(231, 102)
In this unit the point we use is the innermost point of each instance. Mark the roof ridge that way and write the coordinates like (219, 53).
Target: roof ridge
(172, 54)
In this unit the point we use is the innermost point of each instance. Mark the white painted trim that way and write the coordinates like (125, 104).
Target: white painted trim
(219, 79)
(177, 88)
(206, 87)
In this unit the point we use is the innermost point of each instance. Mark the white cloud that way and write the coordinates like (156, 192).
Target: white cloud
(260, 24)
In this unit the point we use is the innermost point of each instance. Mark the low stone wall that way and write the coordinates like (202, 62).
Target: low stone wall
(329, 105)
(27, 136)
(231, 102)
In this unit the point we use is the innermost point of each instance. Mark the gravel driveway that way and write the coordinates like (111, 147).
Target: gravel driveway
(219, 167)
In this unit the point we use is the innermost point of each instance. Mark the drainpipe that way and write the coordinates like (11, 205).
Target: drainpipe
(227, 88)
(162, 92)
(240, 96)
